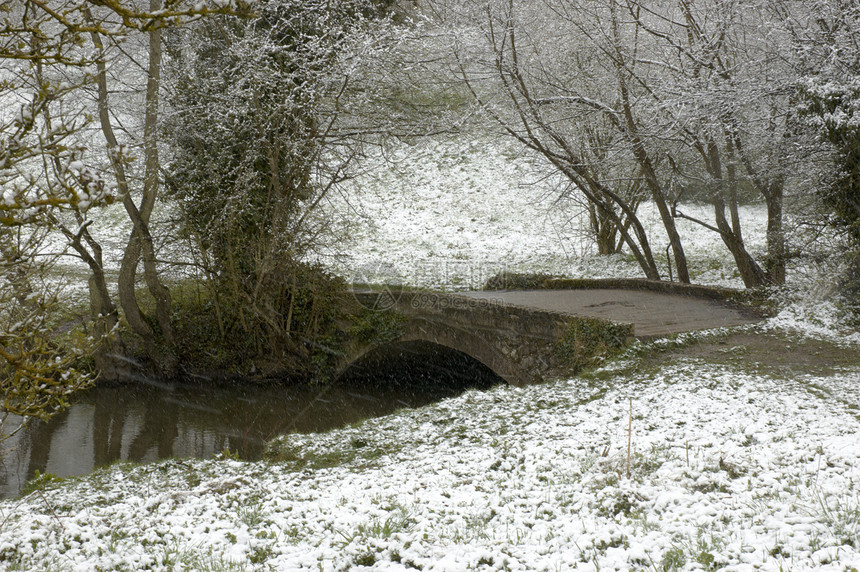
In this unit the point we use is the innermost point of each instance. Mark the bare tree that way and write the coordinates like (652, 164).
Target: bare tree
(723, 94)
(138, 26)
(556, 108)
(51, 182)
(159, 342)
(678, 102)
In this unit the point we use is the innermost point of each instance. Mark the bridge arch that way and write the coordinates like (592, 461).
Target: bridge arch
(428, 367)
(435, 333)
(521, 344)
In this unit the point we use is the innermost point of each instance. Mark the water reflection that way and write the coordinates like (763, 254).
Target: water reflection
(147, 422)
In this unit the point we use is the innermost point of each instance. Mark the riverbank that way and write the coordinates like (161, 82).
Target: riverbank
(732, 466)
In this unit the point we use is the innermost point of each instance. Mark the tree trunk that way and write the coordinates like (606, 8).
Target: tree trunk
(775, 263)
(773, 191)
(640, 154)
(109, 356)
(162, 353)
(603, 230)
(750, 271)
(157, 289)
(603, 198)
(657, 195)
(127, 298)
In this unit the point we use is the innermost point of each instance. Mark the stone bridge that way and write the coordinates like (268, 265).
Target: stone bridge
(520, 344)
(525, 336)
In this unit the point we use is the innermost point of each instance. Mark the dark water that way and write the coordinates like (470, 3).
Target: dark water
(150, 421)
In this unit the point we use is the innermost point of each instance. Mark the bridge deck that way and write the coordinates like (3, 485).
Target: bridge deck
(653, 314)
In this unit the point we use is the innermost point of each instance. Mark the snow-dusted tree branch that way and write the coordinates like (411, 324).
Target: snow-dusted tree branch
(264, 123)
(691, 100)
(53, 180)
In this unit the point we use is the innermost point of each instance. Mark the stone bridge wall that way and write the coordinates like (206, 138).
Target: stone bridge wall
(522, 345)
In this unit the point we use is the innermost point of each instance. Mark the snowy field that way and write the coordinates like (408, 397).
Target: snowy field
(733, 465)
(450, 215)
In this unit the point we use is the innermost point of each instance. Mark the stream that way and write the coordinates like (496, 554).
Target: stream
(152, 420)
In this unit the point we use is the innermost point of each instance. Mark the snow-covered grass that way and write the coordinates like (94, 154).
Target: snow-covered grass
(732, 466)
(729, 470)
(450, 214)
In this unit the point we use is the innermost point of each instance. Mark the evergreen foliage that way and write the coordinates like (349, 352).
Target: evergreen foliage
(829, 100)
(256, 147)
(835, 110)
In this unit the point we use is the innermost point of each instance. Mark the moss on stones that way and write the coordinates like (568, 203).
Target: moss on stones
(590, 339)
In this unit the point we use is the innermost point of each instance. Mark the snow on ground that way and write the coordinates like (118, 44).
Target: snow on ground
(730, 468)
(452, 214)
(815, 318)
